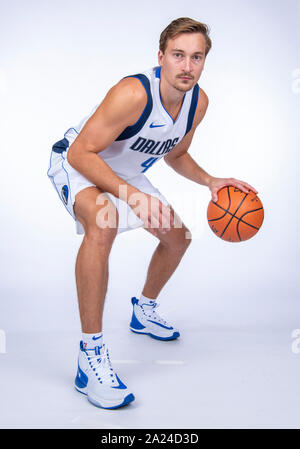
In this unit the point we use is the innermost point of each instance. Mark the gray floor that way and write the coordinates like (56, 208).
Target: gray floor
(209, 378)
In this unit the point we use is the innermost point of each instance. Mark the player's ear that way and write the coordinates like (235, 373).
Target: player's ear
(160, 56)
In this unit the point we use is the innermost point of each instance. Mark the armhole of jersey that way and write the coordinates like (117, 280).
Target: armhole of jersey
(130, 131)
(193, 107)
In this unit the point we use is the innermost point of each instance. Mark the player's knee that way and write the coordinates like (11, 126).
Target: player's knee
(185, 238)
(93, 207)
(181, 240)
(98, 237)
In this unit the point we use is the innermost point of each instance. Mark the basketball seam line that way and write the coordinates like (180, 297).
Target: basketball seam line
(239, 219)
(233, 214)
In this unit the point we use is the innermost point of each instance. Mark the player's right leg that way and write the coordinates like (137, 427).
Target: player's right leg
(95, 376)
(92, 260)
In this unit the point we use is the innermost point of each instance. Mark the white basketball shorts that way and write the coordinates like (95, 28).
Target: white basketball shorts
(68, 182)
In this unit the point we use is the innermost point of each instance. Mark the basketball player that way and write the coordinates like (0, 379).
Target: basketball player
(98, 170)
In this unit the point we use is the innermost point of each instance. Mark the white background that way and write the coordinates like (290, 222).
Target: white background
(58, 59)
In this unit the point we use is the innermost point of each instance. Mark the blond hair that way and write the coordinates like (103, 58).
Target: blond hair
(184, 25)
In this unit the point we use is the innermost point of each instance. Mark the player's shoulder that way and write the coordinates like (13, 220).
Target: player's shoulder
(131, 89)
(126, 100)
(201, 107)
(202, 98)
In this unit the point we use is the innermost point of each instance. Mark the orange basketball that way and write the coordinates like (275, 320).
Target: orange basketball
(236, 216)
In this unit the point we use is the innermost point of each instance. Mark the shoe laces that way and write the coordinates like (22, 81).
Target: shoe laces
(100, 364)
(150, 312)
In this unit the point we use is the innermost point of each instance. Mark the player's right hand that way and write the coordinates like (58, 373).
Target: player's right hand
(155, 215)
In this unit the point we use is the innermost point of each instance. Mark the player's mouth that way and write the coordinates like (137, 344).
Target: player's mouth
(185, 78)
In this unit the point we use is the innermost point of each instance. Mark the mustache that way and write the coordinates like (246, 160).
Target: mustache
(185, 74)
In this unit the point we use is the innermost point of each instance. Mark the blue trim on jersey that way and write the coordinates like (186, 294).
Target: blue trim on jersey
(193, 108)
(60, 146)
(132, 130)
(157, 75)
(70, 130)
(174, 121)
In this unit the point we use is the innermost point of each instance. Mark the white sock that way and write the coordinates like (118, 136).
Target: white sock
(144, 300)
(90, 341)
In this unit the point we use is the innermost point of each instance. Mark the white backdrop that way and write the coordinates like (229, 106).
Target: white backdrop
(58, 60)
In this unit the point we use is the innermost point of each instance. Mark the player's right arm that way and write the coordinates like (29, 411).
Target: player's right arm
(121, 107)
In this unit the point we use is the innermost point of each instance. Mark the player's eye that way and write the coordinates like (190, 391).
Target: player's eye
(177, 54)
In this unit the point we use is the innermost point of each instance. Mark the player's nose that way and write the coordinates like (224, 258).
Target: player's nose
(187, 66)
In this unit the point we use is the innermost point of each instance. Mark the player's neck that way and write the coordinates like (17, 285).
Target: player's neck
(171, 98)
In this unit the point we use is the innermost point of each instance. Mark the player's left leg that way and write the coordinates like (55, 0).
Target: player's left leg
(166, 257)
(169, 252)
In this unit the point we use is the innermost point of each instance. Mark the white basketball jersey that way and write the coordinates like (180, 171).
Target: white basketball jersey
(152, 136)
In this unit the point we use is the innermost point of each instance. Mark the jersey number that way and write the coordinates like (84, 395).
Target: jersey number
(148, 163)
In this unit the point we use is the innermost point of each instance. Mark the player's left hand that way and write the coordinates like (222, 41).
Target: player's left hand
(216, 184)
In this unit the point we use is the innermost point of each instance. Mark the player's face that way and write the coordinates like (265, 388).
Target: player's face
(183, 60)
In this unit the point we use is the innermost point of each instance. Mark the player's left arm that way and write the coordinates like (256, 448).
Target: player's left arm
(182, 162)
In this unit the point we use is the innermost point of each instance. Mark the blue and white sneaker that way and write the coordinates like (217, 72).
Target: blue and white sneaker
(97, 379)
(145, 320)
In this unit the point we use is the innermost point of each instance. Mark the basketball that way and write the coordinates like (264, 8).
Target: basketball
(236, 216)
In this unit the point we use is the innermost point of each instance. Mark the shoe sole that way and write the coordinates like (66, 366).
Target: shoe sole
(105, 403)
(172, 337)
